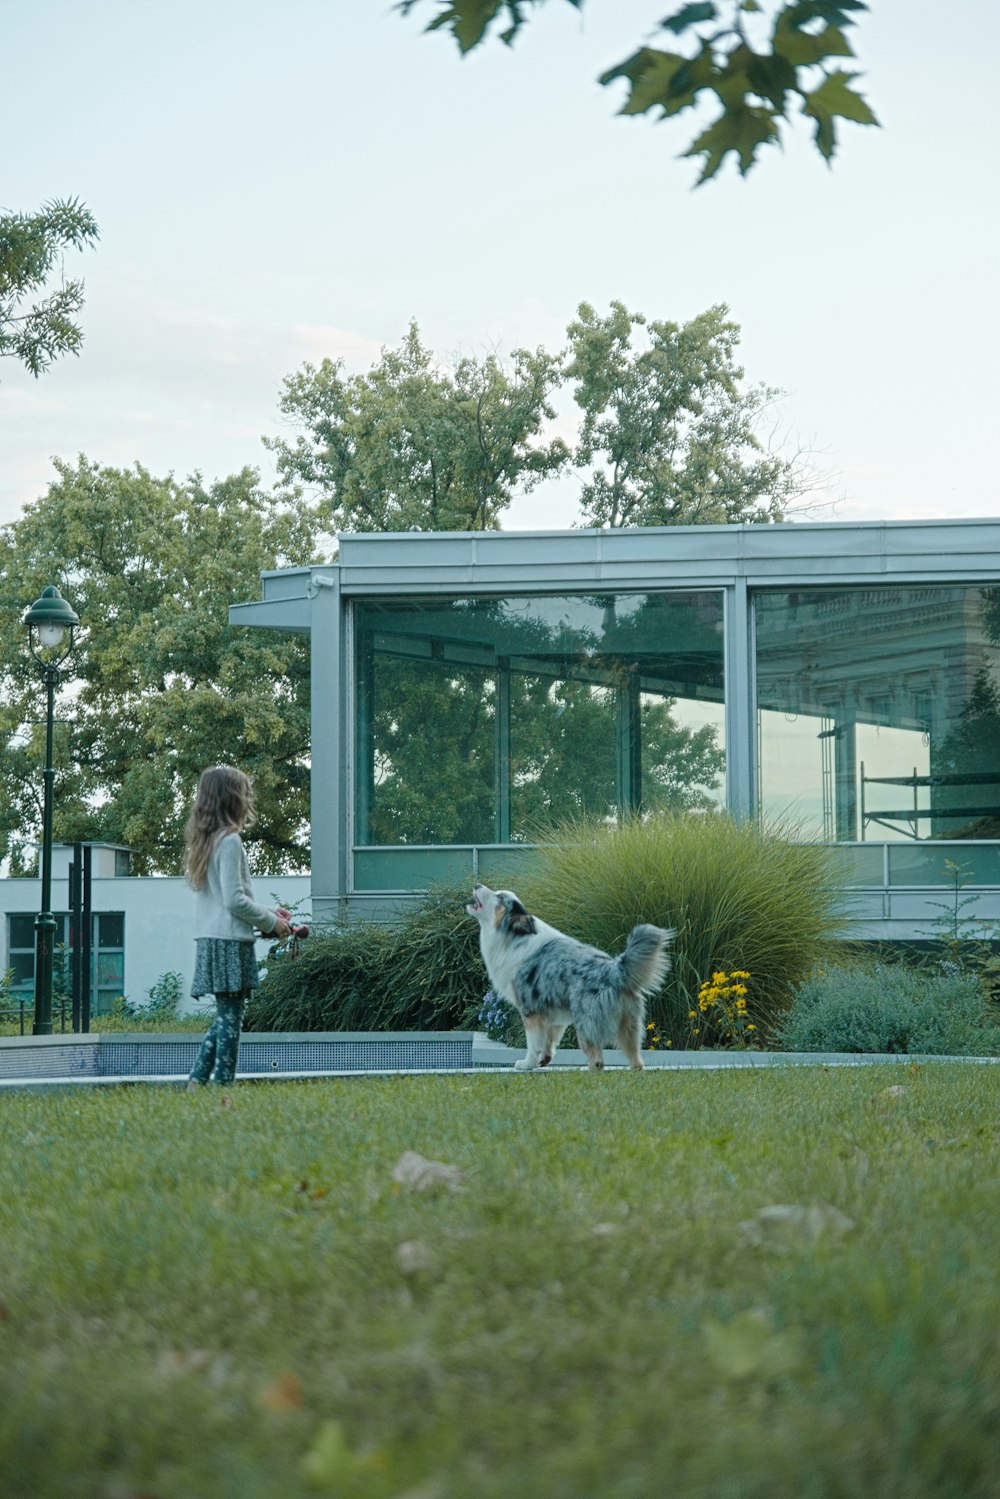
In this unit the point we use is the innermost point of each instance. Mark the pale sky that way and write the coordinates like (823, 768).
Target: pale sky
(279, 180)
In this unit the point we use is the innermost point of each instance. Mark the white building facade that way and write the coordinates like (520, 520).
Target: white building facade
(141, 929)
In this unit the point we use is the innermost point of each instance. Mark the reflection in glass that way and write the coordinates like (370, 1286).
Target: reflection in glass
(486, 720)
(879, 711)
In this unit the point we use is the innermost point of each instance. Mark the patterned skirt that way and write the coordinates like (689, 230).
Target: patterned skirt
(223, 966)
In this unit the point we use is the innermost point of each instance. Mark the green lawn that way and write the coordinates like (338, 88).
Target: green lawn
(206, 1296)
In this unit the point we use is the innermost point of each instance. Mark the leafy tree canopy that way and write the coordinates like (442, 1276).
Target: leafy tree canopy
(160, 685)
(666, 436)
(409, 445)
(31, 245)
(668, 430)
(757, 61)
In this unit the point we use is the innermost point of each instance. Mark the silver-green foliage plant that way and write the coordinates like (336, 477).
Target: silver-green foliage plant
(891, 1009)
(741, 895)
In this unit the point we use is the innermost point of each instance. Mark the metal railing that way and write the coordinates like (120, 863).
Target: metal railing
(21, 1010)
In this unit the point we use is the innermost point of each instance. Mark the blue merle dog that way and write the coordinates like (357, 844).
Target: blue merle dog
(552, 980)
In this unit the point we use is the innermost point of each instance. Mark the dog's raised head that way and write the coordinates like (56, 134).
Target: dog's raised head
(500, 911)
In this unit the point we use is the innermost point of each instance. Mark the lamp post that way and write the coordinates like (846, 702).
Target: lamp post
(50, 622)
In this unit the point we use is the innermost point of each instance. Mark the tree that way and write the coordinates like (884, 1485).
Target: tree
(30, 246)
(410, 446)
(159, 684)
(434, 731)
(512, 722)
(969, 755)
(668, 431)
(756, 77)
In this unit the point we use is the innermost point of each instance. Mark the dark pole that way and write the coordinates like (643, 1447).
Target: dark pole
(75, 905)
(50, 623)
(45, 924)
(86, 938)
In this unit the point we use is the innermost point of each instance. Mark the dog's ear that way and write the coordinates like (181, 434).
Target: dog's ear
(517, 921)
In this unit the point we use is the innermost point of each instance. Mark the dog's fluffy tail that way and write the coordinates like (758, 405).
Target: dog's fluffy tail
(645, 962)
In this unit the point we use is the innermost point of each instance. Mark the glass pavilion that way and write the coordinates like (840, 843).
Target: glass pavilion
(470, 689)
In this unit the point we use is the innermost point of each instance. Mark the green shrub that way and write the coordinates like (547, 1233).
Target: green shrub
(162, 1001)
(891, 1009)
(422, 973)
(742, 896)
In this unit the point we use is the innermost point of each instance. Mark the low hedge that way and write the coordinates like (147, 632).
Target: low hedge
(893, 1009)
(423, 972)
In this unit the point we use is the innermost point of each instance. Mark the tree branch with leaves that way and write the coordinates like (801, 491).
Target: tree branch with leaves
(31, 246)
(411, 445)
(668, 429)
(159, 684)
(758, 61)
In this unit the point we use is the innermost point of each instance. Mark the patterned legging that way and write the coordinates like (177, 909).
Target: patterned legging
(216, 1060)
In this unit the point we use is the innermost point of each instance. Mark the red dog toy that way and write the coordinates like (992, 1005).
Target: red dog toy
(290, 944)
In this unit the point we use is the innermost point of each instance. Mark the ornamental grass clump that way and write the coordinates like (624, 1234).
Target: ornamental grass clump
(742, 896)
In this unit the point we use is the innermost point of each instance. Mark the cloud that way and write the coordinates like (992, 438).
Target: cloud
(311, 341)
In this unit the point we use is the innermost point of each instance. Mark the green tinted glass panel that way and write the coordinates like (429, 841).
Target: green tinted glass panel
(486, 720)
(411, 868)
(22, 969)
(931, 864)
(859, 865)
(879, 711)
(111, 929)
(501, 868)
(22, 930)
(110, 968)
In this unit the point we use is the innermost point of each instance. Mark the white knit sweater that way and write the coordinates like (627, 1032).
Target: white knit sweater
(224, 906)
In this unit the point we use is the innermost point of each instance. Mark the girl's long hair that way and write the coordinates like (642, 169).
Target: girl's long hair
(223, 804)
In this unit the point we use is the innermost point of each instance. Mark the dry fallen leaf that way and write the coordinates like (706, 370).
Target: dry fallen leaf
(183, 1361)
(282, 1394)
(412, 1257)
(785, 1226)
(748, 1346)
(419, 1174)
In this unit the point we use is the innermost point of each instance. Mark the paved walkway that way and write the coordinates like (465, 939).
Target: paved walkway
(682, 1061)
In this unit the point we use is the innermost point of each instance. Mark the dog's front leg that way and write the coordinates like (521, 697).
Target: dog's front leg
(535, 1035)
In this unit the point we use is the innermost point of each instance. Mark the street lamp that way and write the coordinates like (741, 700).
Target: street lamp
(50, 622)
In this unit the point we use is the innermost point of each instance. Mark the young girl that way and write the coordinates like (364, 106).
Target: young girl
(225, 916)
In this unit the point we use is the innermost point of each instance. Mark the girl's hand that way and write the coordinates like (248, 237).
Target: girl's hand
(283, 913)
(281, 927)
